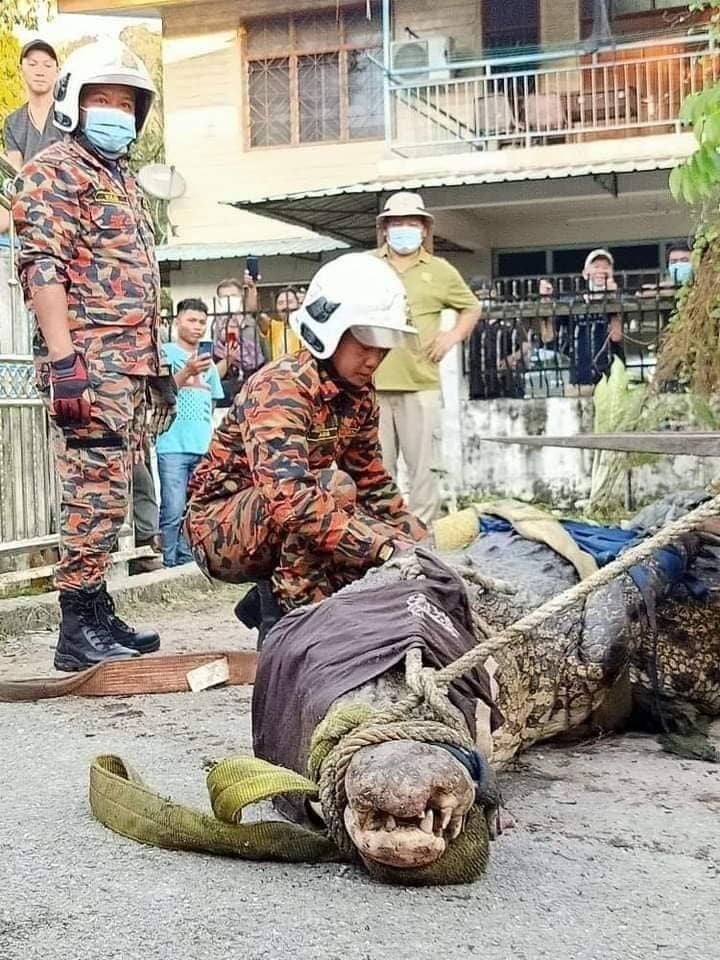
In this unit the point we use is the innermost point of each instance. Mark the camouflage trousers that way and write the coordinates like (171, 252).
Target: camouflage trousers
(94, 465)
(233, 540)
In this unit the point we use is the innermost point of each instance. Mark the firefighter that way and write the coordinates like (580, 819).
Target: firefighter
(293, 493)
(89, 273)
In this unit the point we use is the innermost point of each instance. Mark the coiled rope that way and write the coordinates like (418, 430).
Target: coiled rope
(428, 699)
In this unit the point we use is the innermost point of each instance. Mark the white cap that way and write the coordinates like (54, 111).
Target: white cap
(599, 254)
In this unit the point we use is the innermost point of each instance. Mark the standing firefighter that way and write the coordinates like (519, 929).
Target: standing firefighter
(293, 492)
(89, 273)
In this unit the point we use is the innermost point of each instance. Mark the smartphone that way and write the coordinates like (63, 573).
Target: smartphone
(205, 348)
(252, 265)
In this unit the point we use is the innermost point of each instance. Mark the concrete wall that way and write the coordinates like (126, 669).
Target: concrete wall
(558, 476)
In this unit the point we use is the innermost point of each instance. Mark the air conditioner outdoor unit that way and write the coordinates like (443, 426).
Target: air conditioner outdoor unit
(429, 56)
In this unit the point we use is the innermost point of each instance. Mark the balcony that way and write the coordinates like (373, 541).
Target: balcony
(628, 90)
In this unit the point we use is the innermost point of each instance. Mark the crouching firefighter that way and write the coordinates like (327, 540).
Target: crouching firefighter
(293, 493)
(89, 274)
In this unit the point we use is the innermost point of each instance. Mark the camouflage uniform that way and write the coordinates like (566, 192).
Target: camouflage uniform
(293, 486)
(81, 223)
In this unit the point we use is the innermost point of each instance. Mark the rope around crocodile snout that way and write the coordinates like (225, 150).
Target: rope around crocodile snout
(429, 687)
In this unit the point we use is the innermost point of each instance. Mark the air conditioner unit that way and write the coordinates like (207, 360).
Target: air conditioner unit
(428, 56)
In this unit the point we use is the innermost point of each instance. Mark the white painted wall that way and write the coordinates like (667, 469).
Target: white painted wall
(548, 474)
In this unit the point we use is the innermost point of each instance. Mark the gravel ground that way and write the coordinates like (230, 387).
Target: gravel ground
(615, 852)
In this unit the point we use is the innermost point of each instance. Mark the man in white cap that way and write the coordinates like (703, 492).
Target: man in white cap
(408, 384)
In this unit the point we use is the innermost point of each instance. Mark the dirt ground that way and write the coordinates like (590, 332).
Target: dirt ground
(615, 852)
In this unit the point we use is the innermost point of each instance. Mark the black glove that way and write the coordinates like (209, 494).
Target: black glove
(70, 394)
(162, 402)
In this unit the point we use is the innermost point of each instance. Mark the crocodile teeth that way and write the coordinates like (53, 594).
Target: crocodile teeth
(426, 824)
(390, 822)
(456, 825)
(446, 817)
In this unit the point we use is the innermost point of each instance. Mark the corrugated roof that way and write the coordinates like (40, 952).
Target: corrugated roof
(183, 252)
(348, 212)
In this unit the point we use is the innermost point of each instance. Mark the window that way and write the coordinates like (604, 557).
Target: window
(311, 79)
(621, 8)
(510, 23)
(569, 260)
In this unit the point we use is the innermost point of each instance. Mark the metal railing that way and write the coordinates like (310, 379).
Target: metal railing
(634, 88)
(561, 344)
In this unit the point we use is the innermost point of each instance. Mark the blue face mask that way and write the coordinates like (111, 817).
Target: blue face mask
(680, 272)
(110, 130)
(405, 239)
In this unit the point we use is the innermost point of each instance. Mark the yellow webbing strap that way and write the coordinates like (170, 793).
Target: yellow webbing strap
(120, 801)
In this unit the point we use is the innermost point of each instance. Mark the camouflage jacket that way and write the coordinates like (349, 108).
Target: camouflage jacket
(82, 223)
(289, 421)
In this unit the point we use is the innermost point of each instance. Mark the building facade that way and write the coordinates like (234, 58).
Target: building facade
(536, 129)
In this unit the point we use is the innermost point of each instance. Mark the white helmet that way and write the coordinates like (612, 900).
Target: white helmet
(360, 293)
(102, 62)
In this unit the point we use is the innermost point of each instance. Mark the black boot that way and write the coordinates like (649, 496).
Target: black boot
(85, 639)
(270, 611)
(143, 641)
(247, 610)
(259, 610)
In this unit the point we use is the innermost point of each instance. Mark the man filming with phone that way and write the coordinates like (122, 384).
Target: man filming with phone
(237, 347)
(181, 447)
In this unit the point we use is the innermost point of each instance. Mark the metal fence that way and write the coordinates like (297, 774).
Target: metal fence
(561, 344)
(565, 96)
(28, 514)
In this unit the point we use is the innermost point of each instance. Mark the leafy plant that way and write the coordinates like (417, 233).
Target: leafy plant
(12, 92)
(24, 13)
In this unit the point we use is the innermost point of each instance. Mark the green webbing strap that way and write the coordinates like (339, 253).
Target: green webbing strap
(120, 801)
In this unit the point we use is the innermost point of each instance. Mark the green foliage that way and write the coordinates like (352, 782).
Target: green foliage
(698, 178)
(23, 13)
(12, 92)
(622, 406)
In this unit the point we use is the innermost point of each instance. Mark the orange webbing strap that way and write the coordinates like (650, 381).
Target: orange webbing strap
(154, 673)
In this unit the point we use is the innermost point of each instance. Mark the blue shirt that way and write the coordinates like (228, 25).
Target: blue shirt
(192, 429)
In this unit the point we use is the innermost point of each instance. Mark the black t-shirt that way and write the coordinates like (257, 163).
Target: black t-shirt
(21, 134)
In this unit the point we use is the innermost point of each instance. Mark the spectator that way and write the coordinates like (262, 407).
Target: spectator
(30, 128)
(594, 338)
(548, 333)
(679, 270)
(276, 330)
(237, 349)
(679, 267)
(408, 384)
(181, 447)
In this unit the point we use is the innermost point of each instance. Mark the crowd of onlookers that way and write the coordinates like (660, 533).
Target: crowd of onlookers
(213, 350)
(568, 328)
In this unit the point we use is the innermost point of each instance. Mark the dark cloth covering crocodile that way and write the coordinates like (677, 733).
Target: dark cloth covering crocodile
(316, 654)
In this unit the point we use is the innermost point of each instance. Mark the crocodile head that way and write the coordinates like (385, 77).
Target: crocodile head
(406, 802)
